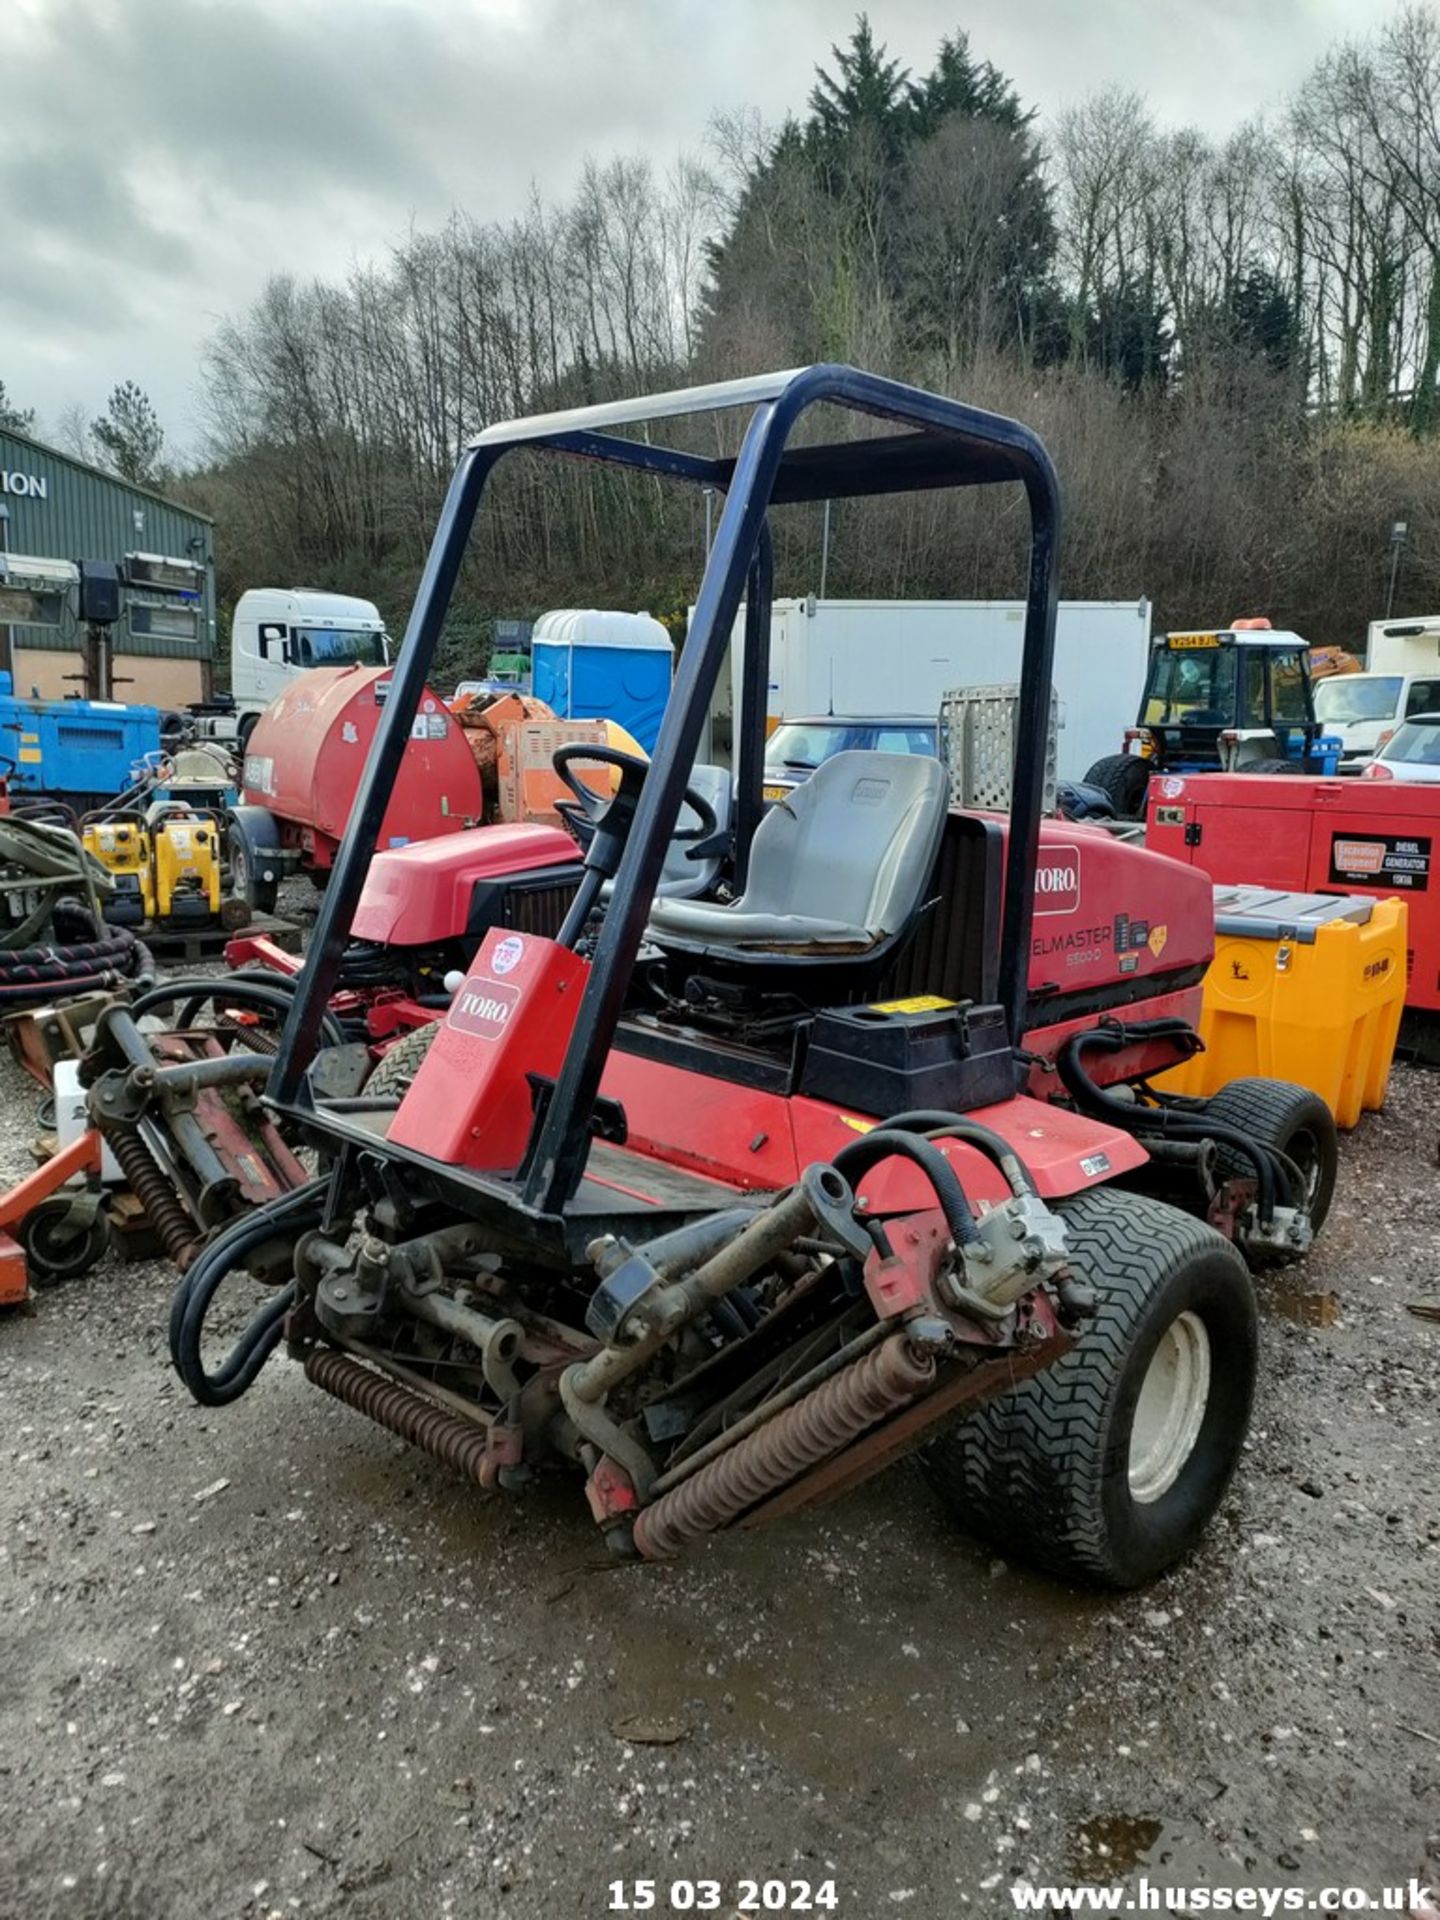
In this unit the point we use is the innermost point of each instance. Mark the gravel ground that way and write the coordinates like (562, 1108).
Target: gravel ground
(269, 1661)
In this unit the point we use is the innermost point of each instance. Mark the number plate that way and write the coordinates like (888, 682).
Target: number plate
(1184, 642)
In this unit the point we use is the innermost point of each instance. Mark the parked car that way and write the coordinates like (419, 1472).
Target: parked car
(798, 747)
(1412, 752)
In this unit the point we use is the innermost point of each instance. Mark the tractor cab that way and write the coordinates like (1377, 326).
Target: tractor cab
(1233, 701)
(724, 1197)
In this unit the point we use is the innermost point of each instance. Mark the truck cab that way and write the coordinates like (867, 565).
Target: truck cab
(1229, 701)
(279, 633)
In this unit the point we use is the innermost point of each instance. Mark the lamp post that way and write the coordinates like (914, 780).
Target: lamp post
(1399, 532)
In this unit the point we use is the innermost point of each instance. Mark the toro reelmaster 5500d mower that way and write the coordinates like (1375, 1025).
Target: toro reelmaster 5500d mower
(669, 1201)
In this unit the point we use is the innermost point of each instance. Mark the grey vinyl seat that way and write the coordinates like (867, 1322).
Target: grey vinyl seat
(839, 865)
(681, 877)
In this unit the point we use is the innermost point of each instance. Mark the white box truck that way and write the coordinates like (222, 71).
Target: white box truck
(280, 632)
(1401, 678)
(876, 659)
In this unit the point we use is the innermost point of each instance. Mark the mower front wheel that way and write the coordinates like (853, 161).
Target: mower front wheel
(400, 1063)
(1109, 1465)
(1124, 777)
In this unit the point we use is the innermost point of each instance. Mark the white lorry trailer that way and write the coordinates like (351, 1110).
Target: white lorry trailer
(279, 632)
(879, 658)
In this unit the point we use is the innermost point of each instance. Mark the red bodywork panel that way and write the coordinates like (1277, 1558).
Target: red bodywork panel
(473, 1101)
(756, 1140)
(1375, 837)
(305, 757)
(420, 896)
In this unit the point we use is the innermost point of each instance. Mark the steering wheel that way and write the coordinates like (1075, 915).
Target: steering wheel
(606, 818)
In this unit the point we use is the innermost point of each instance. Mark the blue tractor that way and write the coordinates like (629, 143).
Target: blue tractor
(1235, 701)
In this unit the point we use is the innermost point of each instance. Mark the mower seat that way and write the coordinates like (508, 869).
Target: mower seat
(838, 865)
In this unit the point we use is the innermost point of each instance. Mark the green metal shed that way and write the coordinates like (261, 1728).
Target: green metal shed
(55, 507)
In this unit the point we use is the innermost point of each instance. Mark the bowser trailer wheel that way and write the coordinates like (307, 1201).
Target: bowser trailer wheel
(1124, 777)
(1277, 1113)
(1109, 1465)
(254, 878)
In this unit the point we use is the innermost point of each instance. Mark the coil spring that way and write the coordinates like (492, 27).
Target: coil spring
(444, 1436)
(163, 1209)
(785, 1447)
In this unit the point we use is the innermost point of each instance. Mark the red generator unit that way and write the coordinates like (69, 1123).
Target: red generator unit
(302, 768)
(1315, 836)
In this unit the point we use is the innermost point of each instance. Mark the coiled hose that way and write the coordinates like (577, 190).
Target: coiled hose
(82, 957)
(294, 1213)
(1168, 1123)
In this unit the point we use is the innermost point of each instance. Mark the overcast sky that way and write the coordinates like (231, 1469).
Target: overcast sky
(160, 158)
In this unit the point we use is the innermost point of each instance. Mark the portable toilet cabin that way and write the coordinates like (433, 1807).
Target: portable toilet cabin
(593, 665)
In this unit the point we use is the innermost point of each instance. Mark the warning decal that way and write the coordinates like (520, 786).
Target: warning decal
(1382, 860)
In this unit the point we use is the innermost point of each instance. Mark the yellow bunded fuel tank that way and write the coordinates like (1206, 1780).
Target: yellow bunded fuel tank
(1303, 987)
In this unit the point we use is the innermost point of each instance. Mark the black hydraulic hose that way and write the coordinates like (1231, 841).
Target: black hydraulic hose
(295, 1212)
(1169, 1123)
(238, 992)
(860, 1155)
(938, 1124)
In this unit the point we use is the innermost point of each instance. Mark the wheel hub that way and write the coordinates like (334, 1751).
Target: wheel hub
(1170, 1409)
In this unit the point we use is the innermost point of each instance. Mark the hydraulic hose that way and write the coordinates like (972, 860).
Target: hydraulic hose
(1170, 1123)
(237, 992)
(294, 1213)
(886, 1143)
(938, 1125)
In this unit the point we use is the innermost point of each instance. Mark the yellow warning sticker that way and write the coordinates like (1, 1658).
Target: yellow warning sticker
(1157, 938)
(918, 1003)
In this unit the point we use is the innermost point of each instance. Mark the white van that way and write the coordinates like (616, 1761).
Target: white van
(1364, 709)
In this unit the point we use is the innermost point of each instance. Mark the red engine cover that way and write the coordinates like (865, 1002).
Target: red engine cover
(417, 896)
(1107, 912)
(1376, 837)
(305, 757)
(472, 1102)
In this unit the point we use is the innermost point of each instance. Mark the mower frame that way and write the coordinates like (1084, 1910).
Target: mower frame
(939, 443)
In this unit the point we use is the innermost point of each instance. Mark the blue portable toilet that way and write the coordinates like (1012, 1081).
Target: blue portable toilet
(594, 665)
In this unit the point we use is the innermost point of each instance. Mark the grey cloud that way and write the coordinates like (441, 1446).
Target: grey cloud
(162, 157)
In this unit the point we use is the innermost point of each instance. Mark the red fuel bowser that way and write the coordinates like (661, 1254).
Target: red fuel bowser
(302, 768)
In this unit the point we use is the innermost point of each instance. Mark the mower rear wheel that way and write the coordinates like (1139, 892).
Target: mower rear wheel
(58, 1244)
(399, 1064)
(1124, 777)
(1271, 766)
(1109, 1465)
(1277, 1113)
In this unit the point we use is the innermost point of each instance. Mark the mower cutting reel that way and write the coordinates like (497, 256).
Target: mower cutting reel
(667, 1198)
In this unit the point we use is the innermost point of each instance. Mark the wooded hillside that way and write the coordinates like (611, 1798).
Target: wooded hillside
(1232, 347)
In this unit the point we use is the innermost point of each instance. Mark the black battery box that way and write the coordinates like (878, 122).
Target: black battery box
(898, 1055)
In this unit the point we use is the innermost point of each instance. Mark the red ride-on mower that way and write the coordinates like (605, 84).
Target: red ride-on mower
(675, 1197)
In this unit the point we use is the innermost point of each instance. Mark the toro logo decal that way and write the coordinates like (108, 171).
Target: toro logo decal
(1057, 880)
(483, 1007)
(508, 954)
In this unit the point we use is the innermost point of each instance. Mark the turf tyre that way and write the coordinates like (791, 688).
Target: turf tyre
(1043, 1473)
